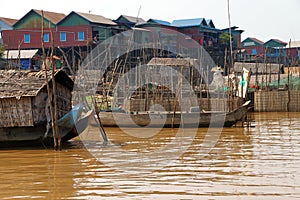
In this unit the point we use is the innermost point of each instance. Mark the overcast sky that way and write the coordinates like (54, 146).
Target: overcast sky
(263, 19)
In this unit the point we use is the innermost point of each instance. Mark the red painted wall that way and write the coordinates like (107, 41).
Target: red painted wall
(14, 39)
(259, 50)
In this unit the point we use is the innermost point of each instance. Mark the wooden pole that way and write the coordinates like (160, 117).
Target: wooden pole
(98, 121)
(57, 133)
(288, 83)
(47, 84)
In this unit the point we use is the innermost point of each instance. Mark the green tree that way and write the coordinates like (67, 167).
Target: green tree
(2, 49)
(224, 38)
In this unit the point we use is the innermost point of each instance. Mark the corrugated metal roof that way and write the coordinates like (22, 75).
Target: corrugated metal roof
(157, 21)
(51, 16)
(98, 19)
(279, 41)
(275, 43)
(293, 44)
(8, 21)
(210, 23)
(135, 20)
(24, 54)
(189, 22)
(257, 40)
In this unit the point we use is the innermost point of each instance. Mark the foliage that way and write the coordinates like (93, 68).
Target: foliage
(2, 49)
(224, 38)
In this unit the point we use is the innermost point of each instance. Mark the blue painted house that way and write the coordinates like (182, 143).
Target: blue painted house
(275, 50)
(6, 24)
(199, 29)
(274, 43)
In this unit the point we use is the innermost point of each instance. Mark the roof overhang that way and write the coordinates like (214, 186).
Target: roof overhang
(19, 54)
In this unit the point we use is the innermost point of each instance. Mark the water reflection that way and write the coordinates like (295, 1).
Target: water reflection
(259, 162)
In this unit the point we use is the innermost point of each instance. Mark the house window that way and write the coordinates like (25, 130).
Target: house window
(26, 38)
(81, 36)
(46, 37)
(63, 36)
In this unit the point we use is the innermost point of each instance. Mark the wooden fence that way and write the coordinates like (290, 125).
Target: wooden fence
(184, 104)
(277, 101)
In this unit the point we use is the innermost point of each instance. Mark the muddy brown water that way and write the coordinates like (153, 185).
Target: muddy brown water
(257, 162)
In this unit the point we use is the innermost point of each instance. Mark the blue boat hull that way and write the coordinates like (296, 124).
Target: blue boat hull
(70, 126)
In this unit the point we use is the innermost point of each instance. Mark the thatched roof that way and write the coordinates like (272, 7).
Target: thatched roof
(187, 62)
(18, 83)
(259, 68)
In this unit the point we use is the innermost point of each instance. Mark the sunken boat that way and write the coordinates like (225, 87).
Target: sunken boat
(23, 108)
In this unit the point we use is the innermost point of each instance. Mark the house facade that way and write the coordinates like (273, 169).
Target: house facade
(26, 33)
(126, 22)
(163, 31)
(199, 30)
(80, 32)
(6, 24)
(82, 29)
(293, 53)
(272, 51)
(75, 29)
(253, 48)
(275, 51)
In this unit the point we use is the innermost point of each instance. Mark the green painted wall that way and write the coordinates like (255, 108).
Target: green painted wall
(123, 19)
(103, 33)
(249, 42)
(31, 21)
(74, 20)
(273, 44)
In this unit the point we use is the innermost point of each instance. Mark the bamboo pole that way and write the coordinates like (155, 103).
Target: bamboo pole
(47, 85)
(57, 133)
(256, 75)
(19, 56)
(288, 83)
(278, 75)
(101, 128)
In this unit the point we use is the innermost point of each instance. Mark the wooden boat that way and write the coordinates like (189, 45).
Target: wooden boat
(24, 108)
(70, 126)
(171, 119)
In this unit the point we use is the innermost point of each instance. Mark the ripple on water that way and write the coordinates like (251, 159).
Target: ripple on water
(260, 162)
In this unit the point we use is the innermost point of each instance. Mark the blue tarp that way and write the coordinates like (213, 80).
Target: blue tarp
(25, 63)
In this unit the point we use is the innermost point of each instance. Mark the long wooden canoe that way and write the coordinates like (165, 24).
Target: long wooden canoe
(177, 119)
